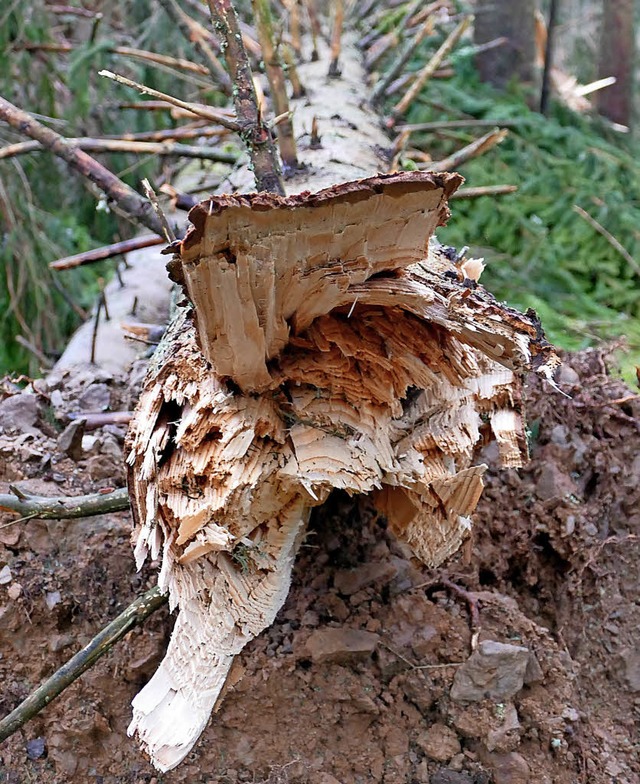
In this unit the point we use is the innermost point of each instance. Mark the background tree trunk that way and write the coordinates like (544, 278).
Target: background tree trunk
(513, 19)
(617, 55)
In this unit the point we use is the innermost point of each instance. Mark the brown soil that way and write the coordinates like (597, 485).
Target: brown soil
(553, 567)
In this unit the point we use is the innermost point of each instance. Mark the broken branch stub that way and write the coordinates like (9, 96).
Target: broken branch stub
(331, 343)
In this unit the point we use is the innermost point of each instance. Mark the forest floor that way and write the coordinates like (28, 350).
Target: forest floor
(353, 682)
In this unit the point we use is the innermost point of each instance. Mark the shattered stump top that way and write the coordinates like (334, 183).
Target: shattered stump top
(258, 266)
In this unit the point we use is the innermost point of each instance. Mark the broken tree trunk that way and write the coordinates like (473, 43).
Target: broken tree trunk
(328, 341)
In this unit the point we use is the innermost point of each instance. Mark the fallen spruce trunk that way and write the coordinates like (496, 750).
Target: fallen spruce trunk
(328, 342)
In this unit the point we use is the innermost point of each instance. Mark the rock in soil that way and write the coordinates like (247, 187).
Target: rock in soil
(494, 671)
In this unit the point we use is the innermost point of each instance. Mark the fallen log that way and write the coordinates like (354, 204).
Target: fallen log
(326, 341)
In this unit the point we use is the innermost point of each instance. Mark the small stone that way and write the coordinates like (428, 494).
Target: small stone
(448, 776)
(495, 670)
(96, 397)
(533, 673)
(70, 440)
(567, 375)
(15, 589)
(5, 575)
(310, 618)
(631, 660)
(52, 598)
(341, 646)
(58, 642)
(439, 743)
(36, 748)
(553, 483)
(509, 768)
(396, 742)
(19, 414)
(507, 736)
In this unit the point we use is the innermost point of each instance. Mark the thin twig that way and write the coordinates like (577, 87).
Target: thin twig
(135, 614)
(195, 109)
(390, 40)
(101, 418)
(483, 190)
(96, 324)
(117, 145)
(401, 60)
(548, 57)
(294, 27)
(439, 125)
(62, 507)
(316, 30)
(609, 238)
(429, 69)
(103, 299)
(253, 130)
(42, 358)
(132, 205)
(124, 51)
(473, 150)
(106, 252)
(151, 195)
(198, 36)
(297, 88)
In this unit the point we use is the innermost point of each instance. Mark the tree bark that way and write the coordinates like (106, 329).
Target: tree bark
(617, 57)
(513, 19)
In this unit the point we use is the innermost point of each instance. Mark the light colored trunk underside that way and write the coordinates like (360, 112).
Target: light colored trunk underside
(330, 345)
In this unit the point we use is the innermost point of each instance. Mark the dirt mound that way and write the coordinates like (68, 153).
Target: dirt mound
(518, 663)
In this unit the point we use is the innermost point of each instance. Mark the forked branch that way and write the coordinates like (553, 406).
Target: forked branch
(132, 205)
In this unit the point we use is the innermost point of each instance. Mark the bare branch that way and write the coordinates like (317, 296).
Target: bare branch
(197, 109)
(106, 252)
(62, 507)
(123, 145)
(135, 614)
(197, 35)
(429, 69)
(254, 131)
(472, 150)
(133, 206)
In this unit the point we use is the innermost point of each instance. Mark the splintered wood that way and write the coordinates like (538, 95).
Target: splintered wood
(329, 344)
